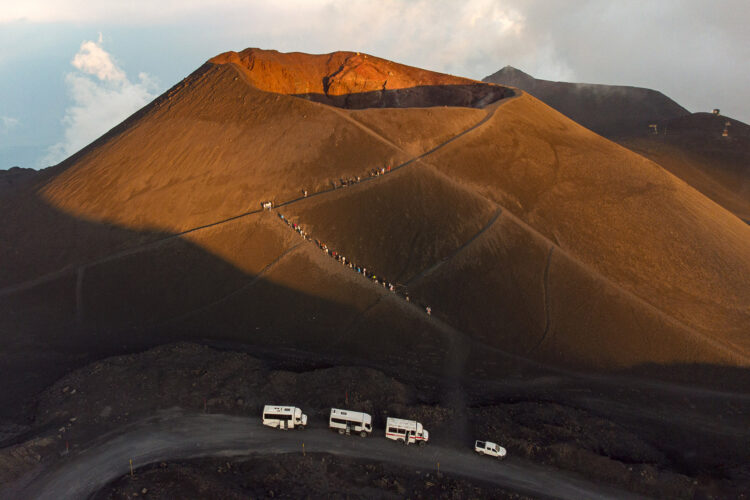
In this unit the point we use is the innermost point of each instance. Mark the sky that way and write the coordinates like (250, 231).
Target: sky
(72, 69)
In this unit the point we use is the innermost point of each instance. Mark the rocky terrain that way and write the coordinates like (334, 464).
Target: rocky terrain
(312, 476)
(657, 441)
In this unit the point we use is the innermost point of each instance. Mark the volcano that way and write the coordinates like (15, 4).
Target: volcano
(531, 239)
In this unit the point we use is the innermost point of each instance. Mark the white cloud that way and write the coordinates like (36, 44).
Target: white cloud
(102, 96)
(7, 123)
(94, 60)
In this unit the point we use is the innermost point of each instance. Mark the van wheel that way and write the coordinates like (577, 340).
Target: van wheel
(422, 443)
(341, 431)
(363, 434)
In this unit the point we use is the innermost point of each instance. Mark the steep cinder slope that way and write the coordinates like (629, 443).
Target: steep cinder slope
(211, 148)
(617, 214)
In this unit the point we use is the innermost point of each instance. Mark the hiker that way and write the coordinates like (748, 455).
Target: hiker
(304, 193)
(429, 310)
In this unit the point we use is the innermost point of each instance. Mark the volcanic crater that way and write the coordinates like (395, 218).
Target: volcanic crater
(352, 80)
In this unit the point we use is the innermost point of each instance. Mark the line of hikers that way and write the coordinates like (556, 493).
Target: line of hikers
(348, 263)
(349, 181)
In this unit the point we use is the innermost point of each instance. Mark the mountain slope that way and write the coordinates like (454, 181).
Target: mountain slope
(691, 146)
(696, 149)
(609, 110)
(533, 239)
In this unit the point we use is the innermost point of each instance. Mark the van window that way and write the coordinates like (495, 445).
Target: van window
(276, 416)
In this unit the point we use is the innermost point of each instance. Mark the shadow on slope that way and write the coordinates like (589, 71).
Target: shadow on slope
(286, 296)
(475, 95)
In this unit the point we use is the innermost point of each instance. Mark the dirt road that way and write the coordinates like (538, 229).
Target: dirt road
(176, 434)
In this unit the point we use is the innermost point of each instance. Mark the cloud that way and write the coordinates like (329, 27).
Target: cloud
(7, 124)
(94, 60)
(102, 96)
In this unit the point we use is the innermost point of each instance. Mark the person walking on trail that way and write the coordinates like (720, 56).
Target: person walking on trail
(428, 309)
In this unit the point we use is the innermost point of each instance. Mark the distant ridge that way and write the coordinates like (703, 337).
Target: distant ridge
(15, 178)
(608, 110)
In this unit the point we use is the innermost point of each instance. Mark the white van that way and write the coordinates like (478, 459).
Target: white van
(284, 417)
(490, 448)
(408, 431)
(345, 422)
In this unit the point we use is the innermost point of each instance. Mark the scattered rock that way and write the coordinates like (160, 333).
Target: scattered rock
(399, 487)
